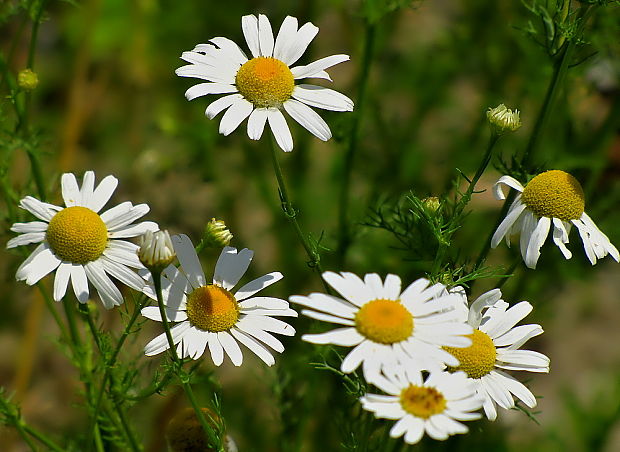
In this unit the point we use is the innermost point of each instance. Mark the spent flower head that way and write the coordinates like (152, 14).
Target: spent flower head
(551, 198)
(216, 234)
(503, 119)
(27, 79)
(260, 87)
(156, 251)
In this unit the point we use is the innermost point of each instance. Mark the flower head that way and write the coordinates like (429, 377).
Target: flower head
(210, 314)
(156, 251)
(260, 87)
(79, 243)
(495, 348)
(433, 405)
(553, 197)
(503, 119)
(385, 326)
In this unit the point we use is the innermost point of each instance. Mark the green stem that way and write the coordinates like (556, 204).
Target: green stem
(344, 236)
(214, 440)
(291, 214)
(42, 439)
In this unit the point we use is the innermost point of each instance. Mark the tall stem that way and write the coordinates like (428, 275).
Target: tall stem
(214, 440)
(344, 236)
(291, 215)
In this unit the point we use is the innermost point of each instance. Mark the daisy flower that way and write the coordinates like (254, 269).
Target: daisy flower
(495, 348)
(80, 244)
(209, 314)
(260, 87)
(553, 197)
(434, 405)
(385, 326)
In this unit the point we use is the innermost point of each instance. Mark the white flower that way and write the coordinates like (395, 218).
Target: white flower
(260, 87)
(387, 327)
(553, 197)
(80, 244)
(208, 314)
(496, 342)
(433, 405)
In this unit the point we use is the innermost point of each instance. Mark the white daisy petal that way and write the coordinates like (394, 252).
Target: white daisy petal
(256, 123)
(32, 226)
(326, 303)
(43, 264)
(109, 293)
(285, 38)
(123, 219)
(215, 349)
(325, 98)
(41, 210)
(61, 281)
(256, 347)
(342, 336)
(560, 237)
(231, 266)
(122, 273)
(26, 239)
(249, 24)
(216, 107)
(230, 347)
(262, 336)
(355, 357)
(508, 181)
(70, 190)
(265, 36)
(349, 285)
(528, 225)
(327, 318)
(79, 282)
(172, 315)
(308, 118)
(300, 43)
(160, 343)
(280, 129)
(235, 115)
(222, 74)
(317, 66)
(263, 302)
(233, 51)
(267, 324)
(256, 285)
(189, 260)
(516, 387)
(506, 224)
(133, 230)
(102, 193)
(539, 235)
(204, 89)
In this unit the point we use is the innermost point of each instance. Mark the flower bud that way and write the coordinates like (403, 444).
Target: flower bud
(431, 204)
(156, 251)
(27, 79)
(503, 119)
(216, 235)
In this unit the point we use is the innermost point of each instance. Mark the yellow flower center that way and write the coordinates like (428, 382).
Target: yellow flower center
(554, 194)
(478, 359)
(77, 235)
(384, 321)
(212, 308)
(422, 402)
(265, 81)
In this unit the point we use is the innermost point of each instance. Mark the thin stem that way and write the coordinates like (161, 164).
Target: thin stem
(291, 214)
(344, 236)
(42, 439)
(214, 440)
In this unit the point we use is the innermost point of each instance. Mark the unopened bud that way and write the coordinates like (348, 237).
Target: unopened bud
(431, 204)
(156, 251)
(27, 79)
(503, 119)
(216, 234)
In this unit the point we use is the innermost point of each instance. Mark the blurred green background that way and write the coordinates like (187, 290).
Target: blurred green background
(109, 100)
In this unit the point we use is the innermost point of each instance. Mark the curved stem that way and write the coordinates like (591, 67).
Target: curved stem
(344, 236)
(291, 215)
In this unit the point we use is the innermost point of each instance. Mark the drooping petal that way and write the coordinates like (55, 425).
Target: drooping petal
(308, 119)
(325, 98)
(280, 129)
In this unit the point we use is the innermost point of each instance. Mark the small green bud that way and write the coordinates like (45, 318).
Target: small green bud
(216, 235)
(431, 204)
(503, 119)
(27, 79)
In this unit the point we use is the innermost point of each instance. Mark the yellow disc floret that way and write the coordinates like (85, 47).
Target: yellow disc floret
(265, 81)
(212, 308)
(384, 321)
(77, 235)
(478, 359)
(554, 194)
(422, 402)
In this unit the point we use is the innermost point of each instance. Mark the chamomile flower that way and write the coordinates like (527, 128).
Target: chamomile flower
(385, 326)
(210, 315)
(551, 198)
(433, 405)
(495, 348)
(260, 87)
(80, 244)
